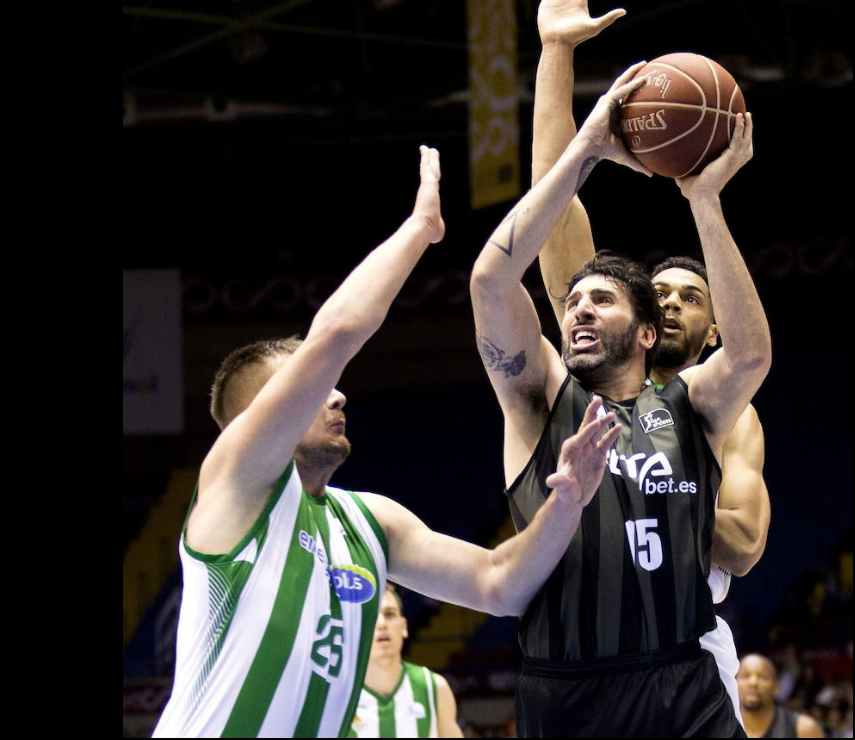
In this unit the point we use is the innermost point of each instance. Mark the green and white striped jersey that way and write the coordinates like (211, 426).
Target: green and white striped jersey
(274, 636)
(409, 712)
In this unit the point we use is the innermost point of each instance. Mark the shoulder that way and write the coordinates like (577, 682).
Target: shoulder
(807, 726)
(442, 685)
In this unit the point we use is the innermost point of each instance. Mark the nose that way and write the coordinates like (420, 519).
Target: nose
(672, 301)
(336, 399)
(585, 307)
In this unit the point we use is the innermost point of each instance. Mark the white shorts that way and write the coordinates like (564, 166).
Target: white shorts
(720, 643)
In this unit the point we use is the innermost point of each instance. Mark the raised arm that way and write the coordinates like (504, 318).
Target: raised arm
(252, 451)
(722, 387)
(563, 25)
(501, 581)
(524, 369)
(743, 513)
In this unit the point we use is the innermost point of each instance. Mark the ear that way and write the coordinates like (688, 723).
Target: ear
(646, 336)
(712, 335)
(406, 632)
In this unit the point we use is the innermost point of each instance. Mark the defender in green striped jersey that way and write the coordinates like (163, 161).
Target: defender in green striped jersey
(400, 699)
(283, 574)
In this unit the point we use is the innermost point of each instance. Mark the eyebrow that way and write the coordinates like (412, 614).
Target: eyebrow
(686, 286)
(594, 292)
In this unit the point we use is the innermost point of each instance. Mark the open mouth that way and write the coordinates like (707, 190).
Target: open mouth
(583, 338)
(671, 326)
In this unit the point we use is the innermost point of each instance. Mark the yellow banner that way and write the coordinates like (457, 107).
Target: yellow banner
(494, 162)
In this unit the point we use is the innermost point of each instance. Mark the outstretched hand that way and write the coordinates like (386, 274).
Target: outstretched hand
(569, 22)
(427, 205)
(712, 178)
(602, 127)
(583, 457)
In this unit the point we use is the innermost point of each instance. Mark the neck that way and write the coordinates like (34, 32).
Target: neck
(757, 721)
(663, 375)
(625, 383)
(383, 674)
(314, 480)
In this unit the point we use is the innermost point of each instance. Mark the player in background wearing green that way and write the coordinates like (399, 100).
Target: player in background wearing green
(758, 687)
(400, 699)
(284, 574)
(743, 512)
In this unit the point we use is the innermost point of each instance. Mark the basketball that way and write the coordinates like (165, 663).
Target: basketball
(683, 116)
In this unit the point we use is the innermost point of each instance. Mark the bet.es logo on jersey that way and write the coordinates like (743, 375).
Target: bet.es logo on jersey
(652, 473)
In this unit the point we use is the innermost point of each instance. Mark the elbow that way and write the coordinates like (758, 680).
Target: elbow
(742, 563)
(750, 555)
(488, 283)
(740, 556)
(755, 362)
(499, 598)
(482, 282)
(503, 605)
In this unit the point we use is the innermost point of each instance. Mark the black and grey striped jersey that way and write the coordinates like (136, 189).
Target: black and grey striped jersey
(634, 578)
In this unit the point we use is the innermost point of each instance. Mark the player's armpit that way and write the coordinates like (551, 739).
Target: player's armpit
(743, 513)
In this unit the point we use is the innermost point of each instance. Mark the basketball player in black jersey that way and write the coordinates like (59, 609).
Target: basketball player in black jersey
(758, 687)
(743, 511)
(610, 642)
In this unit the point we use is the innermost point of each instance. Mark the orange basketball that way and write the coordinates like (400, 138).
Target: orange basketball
(683, 116)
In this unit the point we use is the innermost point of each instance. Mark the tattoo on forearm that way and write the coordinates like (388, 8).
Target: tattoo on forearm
(512, 216)
(497, 360)
(585, 170)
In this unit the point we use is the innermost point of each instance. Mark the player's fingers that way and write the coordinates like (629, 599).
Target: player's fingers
(635, 165)
(604, 21)
(588, 431)
(749, 133)
(558, 481)
(626, 79)
(592, 410)
(424, 160)
(434, 158)
(627, 88)
(610, 437)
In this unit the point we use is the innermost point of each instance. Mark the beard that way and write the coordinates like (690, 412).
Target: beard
(330, 453)
(593, 369)
(680, 351)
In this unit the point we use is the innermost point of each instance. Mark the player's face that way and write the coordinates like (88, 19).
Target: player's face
(688, 327)
(600, 331)
(390, 630)
(756, 683)
(324, 444)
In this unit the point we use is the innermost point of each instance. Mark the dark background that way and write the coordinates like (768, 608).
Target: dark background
(266, 149)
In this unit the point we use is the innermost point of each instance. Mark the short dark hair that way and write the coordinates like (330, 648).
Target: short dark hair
(686, 263)
(239, 359)
(683, 263)
(640, 290)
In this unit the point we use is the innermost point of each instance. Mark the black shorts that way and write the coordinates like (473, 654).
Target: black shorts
(670, 693)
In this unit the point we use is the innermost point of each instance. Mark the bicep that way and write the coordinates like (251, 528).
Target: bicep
(719, 394)
(743, 455)
(519, 361)
(429, 562)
